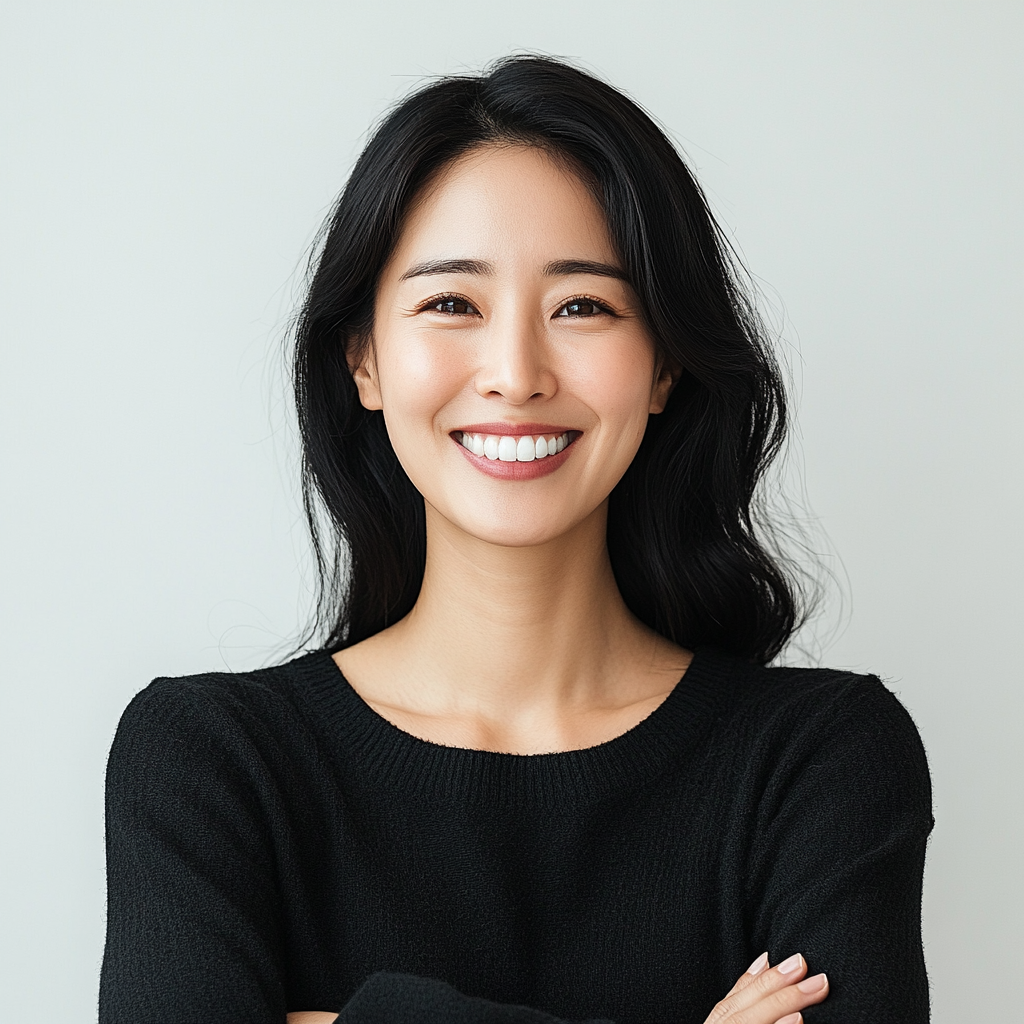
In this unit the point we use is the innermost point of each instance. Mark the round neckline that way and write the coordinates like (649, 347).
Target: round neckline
(448, 746)
(387, 754)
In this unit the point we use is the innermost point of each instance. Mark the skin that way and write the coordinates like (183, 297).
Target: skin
(519, 641)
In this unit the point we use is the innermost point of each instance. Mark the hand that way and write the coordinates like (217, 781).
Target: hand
(770, 996)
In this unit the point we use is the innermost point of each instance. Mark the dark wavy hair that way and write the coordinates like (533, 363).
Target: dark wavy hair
(683, 529)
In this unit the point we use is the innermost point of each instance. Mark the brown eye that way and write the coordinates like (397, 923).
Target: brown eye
(581, 307)
(453, 305)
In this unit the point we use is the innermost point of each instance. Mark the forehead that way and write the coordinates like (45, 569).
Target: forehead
(506, 204)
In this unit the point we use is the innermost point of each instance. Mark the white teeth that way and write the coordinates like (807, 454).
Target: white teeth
(526, 450)
(513, 449)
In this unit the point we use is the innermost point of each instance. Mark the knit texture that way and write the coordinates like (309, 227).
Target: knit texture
(274, 844)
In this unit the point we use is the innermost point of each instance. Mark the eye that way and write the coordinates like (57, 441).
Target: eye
(452, 305)
(581, 306)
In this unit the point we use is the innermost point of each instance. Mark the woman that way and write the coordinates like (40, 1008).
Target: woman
(538, 770)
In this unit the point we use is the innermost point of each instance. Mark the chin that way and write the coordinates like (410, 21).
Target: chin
(518, 539)
(512, 535)
(512, 527)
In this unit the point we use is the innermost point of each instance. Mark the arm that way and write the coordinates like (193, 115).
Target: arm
(392, 998)
(761, 996)
(836, 870)
(192, 907)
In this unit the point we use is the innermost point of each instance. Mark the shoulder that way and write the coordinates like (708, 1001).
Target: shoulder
(226, 713)
(804, 699)
(831, 726)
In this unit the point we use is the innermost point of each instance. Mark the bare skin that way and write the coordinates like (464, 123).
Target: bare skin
(520, 650)
(503, 305)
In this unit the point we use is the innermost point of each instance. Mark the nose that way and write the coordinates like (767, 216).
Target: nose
(515, 361)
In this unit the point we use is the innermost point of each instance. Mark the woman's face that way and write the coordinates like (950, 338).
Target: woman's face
(508, 353)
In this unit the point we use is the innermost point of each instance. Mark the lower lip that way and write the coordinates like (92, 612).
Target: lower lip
(516, 470)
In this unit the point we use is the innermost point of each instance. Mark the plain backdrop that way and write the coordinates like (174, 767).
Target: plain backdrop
(163, 169)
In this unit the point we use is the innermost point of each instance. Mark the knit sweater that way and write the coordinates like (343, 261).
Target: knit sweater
(273, 844)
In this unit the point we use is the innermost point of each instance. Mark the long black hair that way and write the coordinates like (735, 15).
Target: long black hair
(682, 532)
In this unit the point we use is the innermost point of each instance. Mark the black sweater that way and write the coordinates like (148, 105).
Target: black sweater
(273, 843)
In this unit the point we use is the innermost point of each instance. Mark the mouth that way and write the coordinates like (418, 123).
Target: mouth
(518, 447)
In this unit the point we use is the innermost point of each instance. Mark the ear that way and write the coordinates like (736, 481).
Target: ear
(667, 374)
(363, 367)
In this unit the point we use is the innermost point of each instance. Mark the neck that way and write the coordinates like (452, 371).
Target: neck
(496, 630)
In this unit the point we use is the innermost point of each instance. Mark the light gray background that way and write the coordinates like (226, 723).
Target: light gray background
(164, 166)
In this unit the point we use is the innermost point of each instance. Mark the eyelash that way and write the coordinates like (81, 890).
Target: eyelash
(427, 306)
(586, 298)
(436, 300)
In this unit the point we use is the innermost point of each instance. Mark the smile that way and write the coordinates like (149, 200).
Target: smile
(503, 448)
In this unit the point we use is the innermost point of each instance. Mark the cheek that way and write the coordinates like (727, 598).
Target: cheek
(417, 377)
(617, 380)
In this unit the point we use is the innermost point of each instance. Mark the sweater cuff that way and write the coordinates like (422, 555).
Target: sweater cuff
(389, 998)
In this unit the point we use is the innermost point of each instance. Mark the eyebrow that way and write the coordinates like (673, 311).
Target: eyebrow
(566, 268)
(434, 267)
(557, 268)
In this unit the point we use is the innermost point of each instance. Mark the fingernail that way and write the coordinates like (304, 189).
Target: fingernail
(791, 965)
(790, 1018)
(758, 965)
(815, 984)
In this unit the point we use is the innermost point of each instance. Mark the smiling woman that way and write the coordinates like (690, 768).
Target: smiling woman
(535, 768)
(518, 333)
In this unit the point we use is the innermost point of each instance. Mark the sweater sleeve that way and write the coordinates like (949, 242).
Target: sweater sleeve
(839, 859)
(192, 908)
(391, 998)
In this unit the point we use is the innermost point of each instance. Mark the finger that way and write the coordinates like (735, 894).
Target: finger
(784, 1006)
(758, 988)
(759, 966)
(791, 970)
(756, 1004)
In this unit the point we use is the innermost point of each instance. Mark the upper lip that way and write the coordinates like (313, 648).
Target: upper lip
(514, 429)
